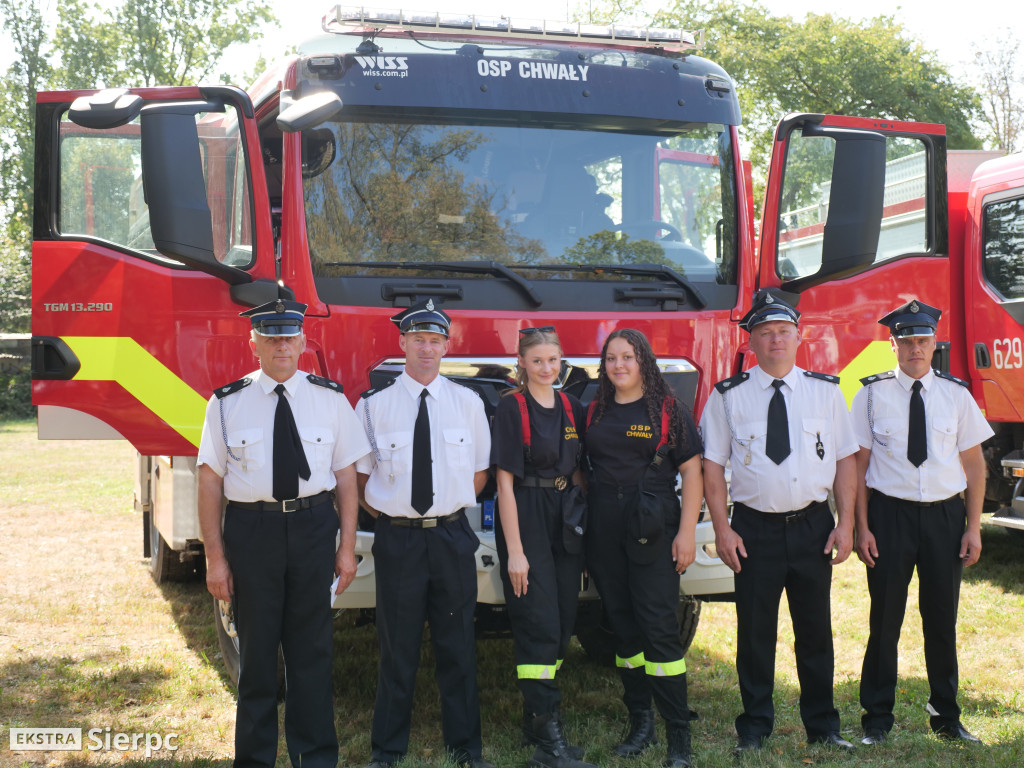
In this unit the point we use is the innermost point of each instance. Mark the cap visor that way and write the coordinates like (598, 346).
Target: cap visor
(278, 330)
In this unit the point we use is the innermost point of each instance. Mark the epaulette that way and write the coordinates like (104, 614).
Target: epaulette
(381, 388)
(878, 377)
(733, 381)
(323, 381)
(467, 386)
(234, 386)
(823, 376)
(951, 377)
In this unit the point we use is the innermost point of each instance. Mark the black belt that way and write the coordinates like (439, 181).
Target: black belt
(938, 503)
(424, 522)
(560, 483)
(288, 505)
(782, 517)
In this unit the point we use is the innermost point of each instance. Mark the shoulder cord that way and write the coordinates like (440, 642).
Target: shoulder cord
(369, 431)
(871, 419)
(728, 416)
(224, 431)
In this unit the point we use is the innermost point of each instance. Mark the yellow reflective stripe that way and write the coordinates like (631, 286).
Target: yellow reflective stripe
(152, 383)
(633, 662)
(877, 356)
(665, 668)
(558, 664)
(536, 671)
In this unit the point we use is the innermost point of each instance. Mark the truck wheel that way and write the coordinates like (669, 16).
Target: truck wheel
(224, 618)
(599, 643)
(164, 563)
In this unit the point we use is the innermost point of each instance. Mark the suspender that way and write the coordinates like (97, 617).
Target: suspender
(525, 417)
(666, 411)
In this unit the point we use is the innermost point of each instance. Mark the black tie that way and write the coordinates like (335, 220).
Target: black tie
(422, 475)
(917, 442)
(777, 446)
(289, 458)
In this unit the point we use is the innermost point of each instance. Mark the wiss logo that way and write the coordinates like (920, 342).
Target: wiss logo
(383, 63)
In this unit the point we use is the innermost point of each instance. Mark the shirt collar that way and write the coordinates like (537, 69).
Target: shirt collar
(764, 380)
(908, 381)
(414, 388)
(267, 384)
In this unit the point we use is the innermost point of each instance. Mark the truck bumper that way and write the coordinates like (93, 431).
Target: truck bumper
(1013, 516)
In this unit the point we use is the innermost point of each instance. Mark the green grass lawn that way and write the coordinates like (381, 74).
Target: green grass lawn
(87, 640)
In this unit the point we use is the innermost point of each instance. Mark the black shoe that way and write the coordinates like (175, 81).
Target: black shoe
(641, 734)
(832, 740)
(747, 744)
(529, 738)
(677, 755)
(874, 736)
(552, 750)
(956, 733)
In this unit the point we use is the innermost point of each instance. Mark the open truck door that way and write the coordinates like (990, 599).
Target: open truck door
(855, 222)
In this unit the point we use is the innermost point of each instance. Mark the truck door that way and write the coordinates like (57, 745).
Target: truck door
(855, 223)
(994, 286)
(151, 233)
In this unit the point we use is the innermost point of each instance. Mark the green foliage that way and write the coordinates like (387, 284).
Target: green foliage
(16, 395)
(823, 63)
(607, 247)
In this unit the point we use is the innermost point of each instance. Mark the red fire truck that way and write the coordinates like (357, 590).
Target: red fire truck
(522, 173)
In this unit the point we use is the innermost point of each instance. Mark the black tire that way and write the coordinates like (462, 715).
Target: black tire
(599, 643)
(166, 564)
(227, 637)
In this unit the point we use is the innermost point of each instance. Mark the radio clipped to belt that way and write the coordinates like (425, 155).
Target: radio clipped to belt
(574, 505)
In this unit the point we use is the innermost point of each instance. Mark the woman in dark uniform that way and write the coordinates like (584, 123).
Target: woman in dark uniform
(536, 450)
(638, 539)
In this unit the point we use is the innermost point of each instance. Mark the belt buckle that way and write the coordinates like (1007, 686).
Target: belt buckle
(429, 522)
(561, 483)
(286, 508)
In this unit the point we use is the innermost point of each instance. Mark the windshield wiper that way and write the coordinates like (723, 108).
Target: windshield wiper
(629, 269)
(471, 267)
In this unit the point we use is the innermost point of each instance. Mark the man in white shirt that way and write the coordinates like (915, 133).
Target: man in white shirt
(281, 446)
(920, 435)
(430, 455)
(786, 434)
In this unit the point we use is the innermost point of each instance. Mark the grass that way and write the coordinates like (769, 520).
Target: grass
(87, 639)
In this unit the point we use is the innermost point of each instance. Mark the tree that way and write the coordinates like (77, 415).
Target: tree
(828, 64)
(1001, 74)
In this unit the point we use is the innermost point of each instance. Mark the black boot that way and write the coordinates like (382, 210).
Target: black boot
(529, 740)
(552, 751)
(678, 752)
(641, 734)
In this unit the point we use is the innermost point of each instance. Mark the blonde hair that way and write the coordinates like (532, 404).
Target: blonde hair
(526, 342)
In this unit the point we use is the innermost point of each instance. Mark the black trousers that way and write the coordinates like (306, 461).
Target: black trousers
(283, 565)
(786, 556)
(542, 619)
(640, 602)
(928, 538)
(426, 574)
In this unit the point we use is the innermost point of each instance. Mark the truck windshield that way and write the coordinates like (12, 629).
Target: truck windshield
(377, 193)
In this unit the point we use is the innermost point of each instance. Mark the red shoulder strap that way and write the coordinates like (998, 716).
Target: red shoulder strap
(666, 410)
(590, 412)
(568, 408)
(524, 414)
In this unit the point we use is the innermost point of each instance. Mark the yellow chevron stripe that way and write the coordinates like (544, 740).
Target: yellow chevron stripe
(877, 356)
(152, 383)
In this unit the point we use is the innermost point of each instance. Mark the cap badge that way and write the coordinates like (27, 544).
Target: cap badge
(914, 307)
(279, 307)
(769, 299)
(430, 305)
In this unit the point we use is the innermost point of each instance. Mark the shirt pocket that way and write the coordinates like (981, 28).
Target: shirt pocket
(248, 447)
(943, 434)
(818, 436)
(886, 431)
(458, 444)
(318, 445)
(395, 449)
(750, 432)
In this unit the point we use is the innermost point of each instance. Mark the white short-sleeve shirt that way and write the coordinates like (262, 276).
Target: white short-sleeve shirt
(734, 426)
(954, 423)
(460, 445)
(240, 448)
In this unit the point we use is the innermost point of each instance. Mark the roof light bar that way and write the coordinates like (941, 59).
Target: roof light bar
(354, 19)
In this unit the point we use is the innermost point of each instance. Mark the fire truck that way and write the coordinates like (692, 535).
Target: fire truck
(522, 173)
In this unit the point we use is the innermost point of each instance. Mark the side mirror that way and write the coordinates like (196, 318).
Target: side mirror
(308, 112)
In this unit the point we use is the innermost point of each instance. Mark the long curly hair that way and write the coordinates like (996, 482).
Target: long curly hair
(655, 388)
(526, 342)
